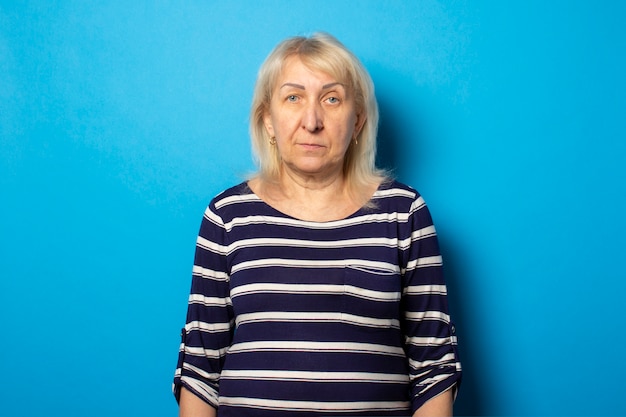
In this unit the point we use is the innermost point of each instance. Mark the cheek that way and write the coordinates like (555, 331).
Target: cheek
(349, 127)
(280, 121)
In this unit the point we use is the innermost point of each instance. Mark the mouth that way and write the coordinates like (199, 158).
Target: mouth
(310, 146)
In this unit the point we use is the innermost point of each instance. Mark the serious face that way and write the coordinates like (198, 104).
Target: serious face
(313, 118)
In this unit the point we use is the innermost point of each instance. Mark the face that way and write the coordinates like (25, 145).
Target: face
(313, 118)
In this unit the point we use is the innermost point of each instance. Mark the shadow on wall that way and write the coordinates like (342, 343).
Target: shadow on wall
(471, 398)
(400, 127)
(389, 138)
(399, 135)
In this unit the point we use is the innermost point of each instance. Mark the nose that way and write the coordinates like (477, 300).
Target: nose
(313, 117)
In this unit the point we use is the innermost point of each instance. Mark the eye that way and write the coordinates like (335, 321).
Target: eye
(332, 100)
(292, 98)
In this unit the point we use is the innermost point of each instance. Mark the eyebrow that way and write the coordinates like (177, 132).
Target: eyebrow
(301, 87)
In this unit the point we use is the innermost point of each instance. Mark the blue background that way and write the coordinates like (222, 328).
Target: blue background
(120, 120)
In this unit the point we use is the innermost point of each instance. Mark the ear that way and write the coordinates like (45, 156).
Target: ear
(360, 122)
(267, 121)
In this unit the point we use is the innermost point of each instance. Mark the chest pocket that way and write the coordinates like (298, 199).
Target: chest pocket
(372, 297)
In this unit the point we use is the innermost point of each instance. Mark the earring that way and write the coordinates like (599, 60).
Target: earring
(356, 141)
(273, 140)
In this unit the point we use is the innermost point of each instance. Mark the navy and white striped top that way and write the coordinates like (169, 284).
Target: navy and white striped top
(298, 318)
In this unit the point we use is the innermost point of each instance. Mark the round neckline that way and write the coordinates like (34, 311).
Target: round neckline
(289, 216)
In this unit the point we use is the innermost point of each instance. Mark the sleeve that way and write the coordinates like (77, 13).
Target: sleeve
(430, 340)
(210, 319)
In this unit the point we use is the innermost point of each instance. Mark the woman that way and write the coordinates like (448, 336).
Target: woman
(317, 287)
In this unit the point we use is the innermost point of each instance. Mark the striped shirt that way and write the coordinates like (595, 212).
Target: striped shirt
(297, 318)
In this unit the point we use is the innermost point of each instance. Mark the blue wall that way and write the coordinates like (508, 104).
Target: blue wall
(120, 120)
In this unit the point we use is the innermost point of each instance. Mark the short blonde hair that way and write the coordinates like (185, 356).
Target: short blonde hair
(324, 53)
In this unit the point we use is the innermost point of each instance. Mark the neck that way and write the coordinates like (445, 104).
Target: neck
(307, 198)
(311, 188)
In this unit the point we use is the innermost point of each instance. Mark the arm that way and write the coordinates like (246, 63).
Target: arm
(440, 406)
(209, 326)
(192, 406)
(429, 334)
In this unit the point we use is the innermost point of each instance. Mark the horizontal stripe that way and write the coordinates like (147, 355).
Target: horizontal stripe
(211, 246)
(445, 359)
(308, 346)
(307, 376)
(331, 407)
(425, 290)
(209, 301)
(427, 261)
(213, 218)
(313, 289)
(417, 205)
(244, 198)
(208, 353)
(208, 327)
(201, 372)
(423, 233)
(427, 341)
(298, 243)
(313, 244)
(202, 272)
(297, 316)
(394, 192)
(304, 263)
(427, 315)
(287, 221)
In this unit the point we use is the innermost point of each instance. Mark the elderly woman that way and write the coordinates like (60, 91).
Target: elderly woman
(317, 286)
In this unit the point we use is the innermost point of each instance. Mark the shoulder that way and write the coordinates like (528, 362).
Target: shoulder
(404, 202)
(234, 194)
(218, 212)
(235, 202)
(396, 193)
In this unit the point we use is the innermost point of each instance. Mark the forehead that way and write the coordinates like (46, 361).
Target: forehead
(297, 69)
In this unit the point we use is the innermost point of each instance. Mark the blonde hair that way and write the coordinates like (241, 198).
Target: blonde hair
(321, 52)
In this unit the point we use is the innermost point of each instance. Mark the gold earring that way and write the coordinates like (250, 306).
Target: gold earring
(273, 140)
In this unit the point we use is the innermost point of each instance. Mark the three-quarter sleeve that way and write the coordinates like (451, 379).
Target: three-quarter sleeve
(210, 320)
(430, 340)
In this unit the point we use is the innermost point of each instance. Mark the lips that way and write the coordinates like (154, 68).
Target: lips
(310, 146)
